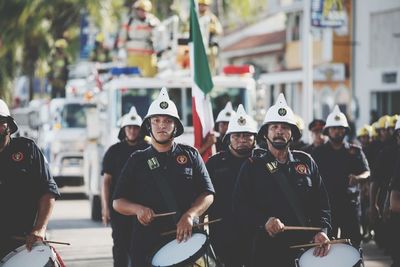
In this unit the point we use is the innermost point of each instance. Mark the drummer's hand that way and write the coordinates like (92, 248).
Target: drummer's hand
(105, 215)
(274, 226)
(145, 216)
(34, 236)
(322, 251)
(184, 227)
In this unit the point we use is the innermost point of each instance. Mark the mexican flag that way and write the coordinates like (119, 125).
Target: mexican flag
(203, 120)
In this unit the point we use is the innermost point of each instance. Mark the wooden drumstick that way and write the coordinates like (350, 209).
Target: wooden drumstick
(336, 241)
(45, 241)
(200, 224)
(301, 228)
(164, 214)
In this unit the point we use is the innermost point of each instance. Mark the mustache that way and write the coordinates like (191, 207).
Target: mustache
(278, 139)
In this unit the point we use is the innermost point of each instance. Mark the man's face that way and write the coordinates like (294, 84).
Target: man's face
(382, 133)
(317, 136)
(162, 127)
(279, 132)
(241, 142)
(3, 125)
(223, 127)
(132, 132)
(364, 140)
(336, 134)
(4, 131)
(141, 13)
(202, 8)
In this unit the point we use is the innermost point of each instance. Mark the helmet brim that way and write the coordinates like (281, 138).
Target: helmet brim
(179, 125)
(295, 131)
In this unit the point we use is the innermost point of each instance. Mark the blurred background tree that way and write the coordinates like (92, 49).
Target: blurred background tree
(30, 28)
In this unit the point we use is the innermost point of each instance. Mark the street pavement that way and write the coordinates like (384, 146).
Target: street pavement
(91, 242)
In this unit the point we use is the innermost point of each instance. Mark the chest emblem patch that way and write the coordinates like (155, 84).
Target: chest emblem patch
(153, 163)
(18, 156)
(301, 169)
(181, 159)
(272, 166)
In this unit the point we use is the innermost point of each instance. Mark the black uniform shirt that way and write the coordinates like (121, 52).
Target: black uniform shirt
(335, 166)
(24, 179)
(115, 158)
(257, 195)
(384, 166)
(187, 177)
(223, 168)
(395, 181)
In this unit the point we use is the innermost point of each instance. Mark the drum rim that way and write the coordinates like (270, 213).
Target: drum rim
(361, 260)
(189, 260)
(19, 249)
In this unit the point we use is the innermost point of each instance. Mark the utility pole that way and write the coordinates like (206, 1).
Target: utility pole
(307, 62)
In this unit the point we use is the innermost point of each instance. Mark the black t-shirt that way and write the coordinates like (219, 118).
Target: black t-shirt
(384, 166)
(395, 181)
(335, 166)
(115, 159)
(187, 177)
(24, 179)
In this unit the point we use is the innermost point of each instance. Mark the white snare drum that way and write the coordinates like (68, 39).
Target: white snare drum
(340, 255)
(196, 251)
(41, 255)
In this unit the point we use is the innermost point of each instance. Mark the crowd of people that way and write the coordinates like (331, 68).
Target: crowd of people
(260, 181)
(256, 183)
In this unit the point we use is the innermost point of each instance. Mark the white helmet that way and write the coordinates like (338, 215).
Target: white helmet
(163, 106)
(131, 118)
(5, 112)
(281, 112)
(241, 123)
(336, 119)
(226, 113)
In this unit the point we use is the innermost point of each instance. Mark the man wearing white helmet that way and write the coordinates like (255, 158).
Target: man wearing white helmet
(343, 166)
(27, 189)
(166, 177)
(278, 188)
(222, 122)
(131, 140)
(223, 168)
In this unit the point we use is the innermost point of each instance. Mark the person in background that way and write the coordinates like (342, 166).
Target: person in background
(315, 127)
(27, 189)
(221, 126)
(58, 74)
(211, 29)
(343, 167)
(131, 140)
(137, 37)
(226, 237)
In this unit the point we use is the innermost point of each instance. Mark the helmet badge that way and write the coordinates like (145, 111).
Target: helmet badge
(164, 105)
(241, 121)
(282, 112)
(337, 118)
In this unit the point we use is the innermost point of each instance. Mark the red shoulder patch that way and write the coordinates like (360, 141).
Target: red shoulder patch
(18, 156)
(301, 168)
(181, 159)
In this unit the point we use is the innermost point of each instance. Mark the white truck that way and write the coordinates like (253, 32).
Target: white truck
(64, 140)
(124, 91)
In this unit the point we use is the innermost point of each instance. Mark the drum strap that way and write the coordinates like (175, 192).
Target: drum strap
(165, 189)
(290, 194)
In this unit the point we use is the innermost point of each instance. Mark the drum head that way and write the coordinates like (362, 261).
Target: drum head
(340, 255)
(20, 257)
(176, 253)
